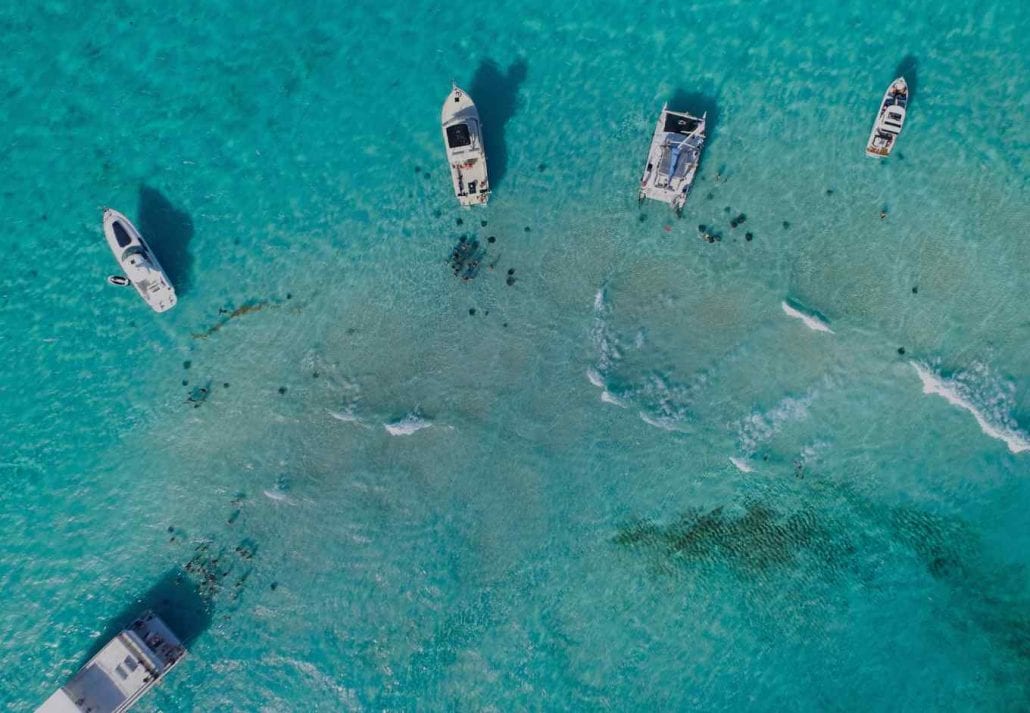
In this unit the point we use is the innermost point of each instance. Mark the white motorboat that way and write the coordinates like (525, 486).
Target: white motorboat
(466, 155)
(128, 666)
(138, 262)
(889, 121)
(673, 158)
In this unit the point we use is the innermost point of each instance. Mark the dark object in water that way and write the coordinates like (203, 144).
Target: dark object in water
(314, 375)
(510, 281)
(705, 235)
(641, 218)
(482, 223)
(118, 280)
(901, 350)
(542, 167)
(460, 221)
(289, 295)
(748, 237)
(472, 311)
(273, 585)
(225, 385)
(187, 364)
(829, 191)
(465, 258)
(710, 196)
(198, 396)
(511, 270)
(786, 225)
(418, 169)
(491, 239)
(915, 290)
(185, 382)
(527, 229)
(282, 389)
(505, 325)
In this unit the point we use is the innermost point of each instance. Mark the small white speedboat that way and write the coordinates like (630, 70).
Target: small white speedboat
(466, 155)
(138, 262)
(889, 121)
(673, 158)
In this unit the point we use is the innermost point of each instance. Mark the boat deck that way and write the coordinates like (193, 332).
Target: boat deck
(126, 668)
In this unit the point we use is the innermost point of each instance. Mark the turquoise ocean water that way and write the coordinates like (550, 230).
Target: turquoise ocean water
(566, 530)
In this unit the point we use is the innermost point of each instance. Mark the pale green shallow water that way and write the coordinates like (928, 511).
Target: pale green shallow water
(535, 547)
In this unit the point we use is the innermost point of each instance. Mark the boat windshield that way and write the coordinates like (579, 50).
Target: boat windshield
(458, 136)
(121, 235)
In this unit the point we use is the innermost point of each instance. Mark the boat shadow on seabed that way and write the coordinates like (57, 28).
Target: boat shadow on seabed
(168, 231)
(176, 598)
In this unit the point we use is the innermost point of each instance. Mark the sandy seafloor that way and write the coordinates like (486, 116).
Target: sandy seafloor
(552, 520)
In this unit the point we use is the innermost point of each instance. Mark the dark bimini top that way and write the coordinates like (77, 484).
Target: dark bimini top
(678, 124)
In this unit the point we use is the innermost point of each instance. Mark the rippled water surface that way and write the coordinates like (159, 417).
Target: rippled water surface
(639, 476)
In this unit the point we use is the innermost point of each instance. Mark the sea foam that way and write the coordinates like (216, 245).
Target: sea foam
(742, 464)
(952, 392)
(813, 323)
(759, 427)
(412, 423)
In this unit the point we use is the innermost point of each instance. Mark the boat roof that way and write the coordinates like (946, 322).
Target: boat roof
(127, 666)
(677, 123)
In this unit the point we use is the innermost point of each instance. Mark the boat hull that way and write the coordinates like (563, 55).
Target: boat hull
(463, 143)
(673, 158)
(138, 262)
(890, 120)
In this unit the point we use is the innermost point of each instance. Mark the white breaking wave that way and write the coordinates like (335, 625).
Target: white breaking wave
(276, 495)
(595, 377)
(813, 323)
(952, 392)
(609, 398)
(412, 423)
(758, 428)
(605, 342)
(742, 464)
(347, 416)
(663, 422)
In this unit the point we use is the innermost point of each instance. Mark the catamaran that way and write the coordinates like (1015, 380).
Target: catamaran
(889, 121)
(673, 158)
(129, 665)
(466, 155)
(138, 262)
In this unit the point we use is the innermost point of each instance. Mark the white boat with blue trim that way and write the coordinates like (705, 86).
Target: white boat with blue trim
(673, 158)
(889, 121)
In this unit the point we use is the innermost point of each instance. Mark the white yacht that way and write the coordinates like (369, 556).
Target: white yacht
(127, 667)
(673, 158)
(466, 155)
(140, 266)
(889, 121)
